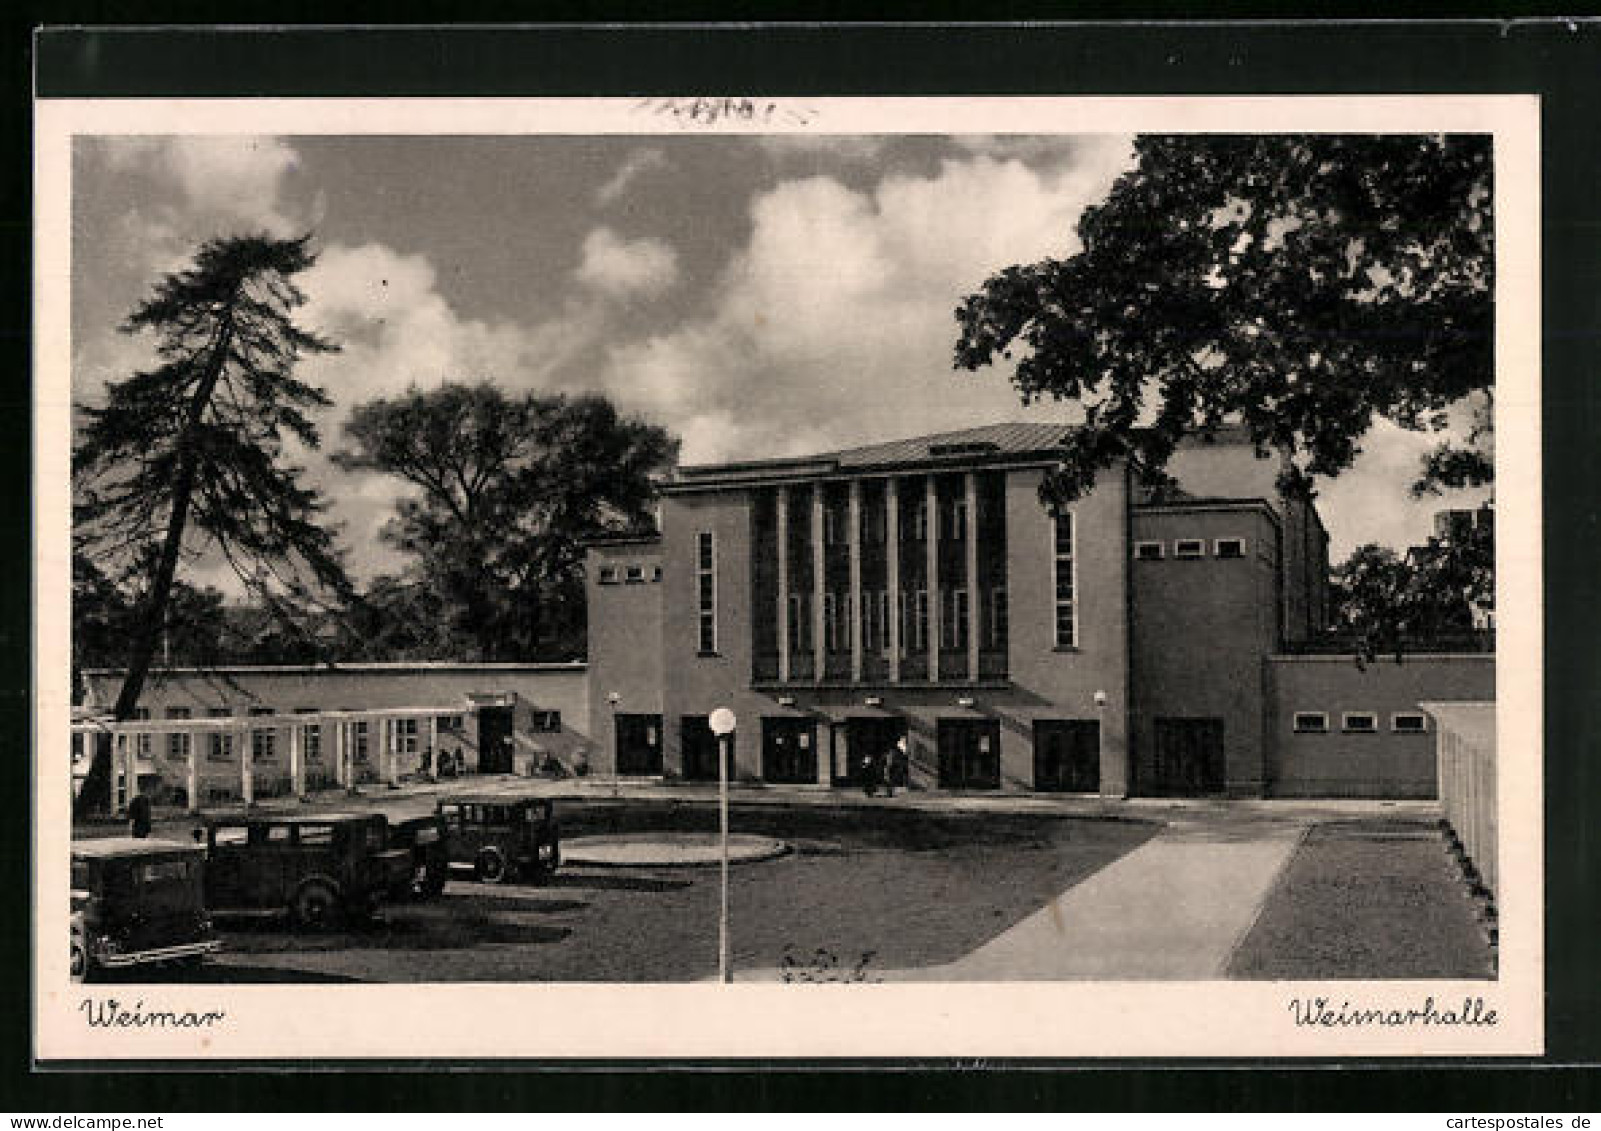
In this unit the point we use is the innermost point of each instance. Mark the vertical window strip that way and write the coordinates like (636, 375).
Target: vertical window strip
(998, 618)
(1066, 582)
(706, 584)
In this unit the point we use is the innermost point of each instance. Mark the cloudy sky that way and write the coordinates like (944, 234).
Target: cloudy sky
(759, 296)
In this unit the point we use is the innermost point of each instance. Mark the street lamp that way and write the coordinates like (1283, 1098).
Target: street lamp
(722, 723)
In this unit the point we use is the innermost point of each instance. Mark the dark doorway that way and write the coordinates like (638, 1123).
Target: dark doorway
(495, 743)
(969, 753)
(639, 745)
(698, 745)
(1188, 760)
(789, 751)
(865, 742)
(1067, 755)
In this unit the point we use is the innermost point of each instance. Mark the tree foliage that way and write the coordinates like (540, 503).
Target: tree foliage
(507, 490)
(1301, 285)
(189, 457)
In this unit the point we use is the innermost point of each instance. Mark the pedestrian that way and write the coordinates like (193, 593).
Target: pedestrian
(900, 772)
(887, 769)
(139, 816)
(869, 774)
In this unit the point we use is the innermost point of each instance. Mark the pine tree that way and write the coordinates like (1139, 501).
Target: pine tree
(188, 457)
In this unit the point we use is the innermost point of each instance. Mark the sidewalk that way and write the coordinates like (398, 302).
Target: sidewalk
(1174, 908)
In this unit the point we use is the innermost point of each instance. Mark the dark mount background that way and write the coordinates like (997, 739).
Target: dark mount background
(1558, 61)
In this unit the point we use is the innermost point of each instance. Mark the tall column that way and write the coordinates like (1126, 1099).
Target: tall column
(854, 540)
(386, 750)
(119, 773)
(783, 585)
(433, 746)
(819, 649)
(974, 594)
(192, 747)
(892, 572)
(247, 766)
(297, 760)
(334, 745)
(931, 529)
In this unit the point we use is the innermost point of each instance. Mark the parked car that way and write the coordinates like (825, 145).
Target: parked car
(424, 839)
(321, 867)
(503, 838)
(136, 902)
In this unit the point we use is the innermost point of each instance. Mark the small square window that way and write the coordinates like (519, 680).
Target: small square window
(655, 573)
(636, 575)
(1360, 722)
(1229, 548)
(1311, 722)
(608, 575)
(1147, 551)
(1409, 722)
(1189, 548)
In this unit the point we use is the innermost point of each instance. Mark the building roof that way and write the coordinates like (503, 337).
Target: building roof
(987, 443)
(100, 848)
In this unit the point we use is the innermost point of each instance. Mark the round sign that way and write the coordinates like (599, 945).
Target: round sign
(722, 721)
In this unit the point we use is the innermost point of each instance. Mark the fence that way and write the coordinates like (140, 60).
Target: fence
(1465, 749)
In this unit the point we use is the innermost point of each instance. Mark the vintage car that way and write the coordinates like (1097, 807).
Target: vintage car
(424, 839)
(503, 838)
(137, 902)
(319, 867)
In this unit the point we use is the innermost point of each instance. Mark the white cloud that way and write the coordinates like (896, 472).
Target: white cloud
(635, 165)
(234, 180)
(615, 266)
(834, 324)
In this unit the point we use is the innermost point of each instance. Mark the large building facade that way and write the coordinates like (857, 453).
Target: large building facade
(918, 596)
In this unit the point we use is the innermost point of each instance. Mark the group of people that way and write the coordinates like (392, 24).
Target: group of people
(885, 770)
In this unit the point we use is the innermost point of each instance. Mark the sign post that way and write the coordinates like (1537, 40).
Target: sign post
(722, 724)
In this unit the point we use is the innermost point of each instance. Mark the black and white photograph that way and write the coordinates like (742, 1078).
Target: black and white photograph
(937, 564)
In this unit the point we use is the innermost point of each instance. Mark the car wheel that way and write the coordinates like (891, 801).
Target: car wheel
(492, 866)
(317, 905)
(80, 962)
(547, 858)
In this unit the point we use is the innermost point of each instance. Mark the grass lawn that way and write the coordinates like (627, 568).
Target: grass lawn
(1365, 899)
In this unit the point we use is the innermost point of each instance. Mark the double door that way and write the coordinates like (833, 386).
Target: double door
(1067, 755)
(969, 753)
(1188, 759)
(789, 751)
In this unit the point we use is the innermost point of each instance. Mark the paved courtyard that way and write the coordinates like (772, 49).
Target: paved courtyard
(924, 887)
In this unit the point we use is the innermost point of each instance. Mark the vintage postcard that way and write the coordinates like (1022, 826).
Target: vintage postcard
(685, 578)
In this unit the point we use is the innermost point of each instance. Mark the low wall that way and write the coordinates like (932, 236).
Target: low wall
(1386, 763)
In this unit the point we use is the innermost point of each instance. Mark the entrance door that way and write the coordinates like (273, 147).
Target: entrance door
(862, 742)
(1188, 758)
(1067, 755)
(639, 744)
(789, 751)
(494, 740)
(969, 753)
(698, 745)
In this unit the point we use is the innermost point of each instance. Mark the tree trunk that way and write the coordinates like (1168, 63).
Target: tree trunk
(95, 795)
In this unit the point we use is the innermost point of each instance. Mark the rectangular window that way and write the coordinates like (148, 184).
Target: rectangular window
(1229, 548)
(917, 529)
(220, 748)
(635, 575)
(1189, 548)
(263, 743)
(1360, 722)
(1147, 551)
(547, 722)
(313, 739)
(873, 525)
(953, 619)
(1066, 588)
(608, 575)
(956, 522)
(1311, 722)
(1409, 722)
(800, 623)
(706, 590)
(142, 742)
(656, 573)
(999, 625)
(407, 735)
(178, 744)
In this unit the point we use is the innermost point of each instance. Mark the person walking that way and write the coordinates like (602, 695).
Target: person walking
(139, 816)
